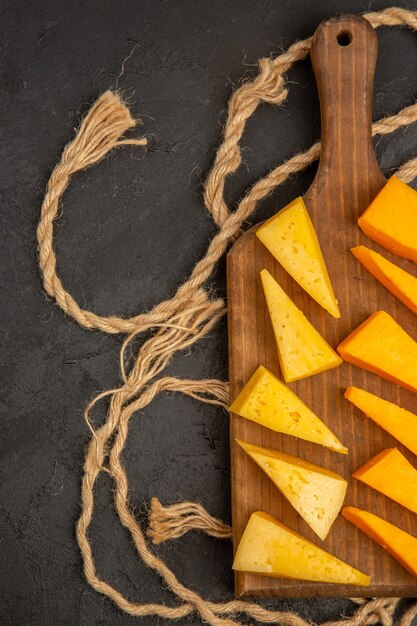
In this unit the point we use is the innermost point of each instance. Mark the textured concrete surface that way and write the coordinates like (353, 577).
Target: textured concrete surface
(131, 230)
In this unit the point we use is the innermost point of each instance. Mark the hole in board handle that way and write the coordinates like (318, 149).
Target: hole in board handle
(344, 38)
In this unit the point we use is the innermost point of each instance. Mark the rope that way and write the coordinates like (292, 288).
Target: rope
(177, 324)
(174, 521)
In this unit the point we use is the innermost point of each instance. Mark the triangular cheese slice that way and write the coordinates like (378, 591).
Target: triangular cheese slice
(269, 402)
(290, 237)
(316, 493)
(399, 282)
(391, 219)
(380, 345)
(399, 422)
(302, 350)
(398, 543)
(390, 473)
(269, 548)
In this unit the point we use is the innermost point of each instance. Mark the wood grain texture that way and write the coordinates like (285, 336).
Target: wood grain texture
(348, 178)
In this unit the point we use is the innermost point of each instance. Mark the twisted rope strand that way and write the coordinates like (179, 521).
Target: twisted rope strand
(178, 323)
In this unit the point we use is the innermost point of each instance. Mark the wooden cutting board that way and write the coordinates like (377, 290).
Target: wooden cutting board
(347, 179)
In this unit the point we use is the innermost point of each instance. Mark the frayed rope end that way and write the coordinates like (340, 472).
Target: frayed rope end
(101, 131)
(174, 521)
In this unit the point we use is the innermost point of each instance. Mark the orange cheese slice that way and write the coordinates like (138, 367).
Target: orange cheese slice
(380, 345)
(399, 422)
(269, 548)
(390, 473)
(398, 543)
(399, 282)
(391, 219)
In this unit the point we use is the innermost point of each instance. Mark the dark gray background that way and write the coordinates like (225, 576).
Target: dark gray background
(131, 230)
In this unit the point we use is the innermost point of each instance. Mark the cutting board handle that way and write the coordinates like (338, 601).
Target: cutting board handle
(343, 54)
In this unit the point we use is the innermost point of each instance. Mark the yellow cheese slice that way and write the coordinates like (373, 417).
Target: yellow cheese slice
(290, 237)
(399, 422)
(302, 350)
(398, 543)
(399, 282)
(316, 493)
(269, 402)
(269, 548)
(390, 473)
